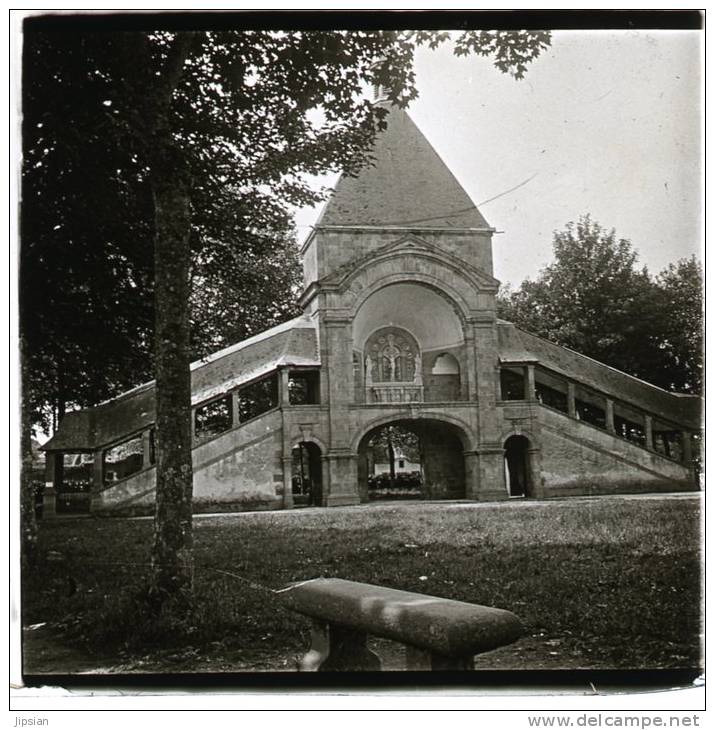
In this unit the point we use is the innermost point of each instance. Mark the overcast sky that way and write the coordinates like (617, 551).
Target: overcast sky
(606, 123)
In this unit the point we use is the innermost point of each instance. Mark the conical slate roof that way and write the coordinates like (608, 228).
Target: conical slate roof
(407, 185)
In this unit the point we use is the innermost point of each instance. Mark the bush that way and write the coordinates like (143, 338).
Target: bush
(404, 481)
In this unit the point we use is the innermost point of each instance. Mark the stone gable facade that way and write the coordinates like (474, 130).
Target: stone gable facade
(399, 328)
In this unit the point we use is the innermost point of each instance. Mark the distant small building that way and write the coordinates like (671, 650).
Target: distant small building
(402, 464)
(398, 327)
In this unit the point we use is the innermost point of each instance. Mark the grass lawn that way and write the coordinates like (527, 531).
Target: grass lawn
(600, 583)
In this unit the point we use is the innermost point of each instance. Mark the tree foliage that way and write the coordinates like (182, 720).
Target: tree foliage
(680, 289)
(392, 439)
(246, 113)
(86, 268)
(512, 52)
(217, 131)
(395, 437)
(595, 299)
(87, 226)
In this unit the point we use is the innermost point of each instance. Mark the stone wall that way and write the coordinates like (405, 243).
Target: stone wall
(577, 458)
(242, 467)
(338, 248)
(309, 256)
(136, 491)
(443, 464)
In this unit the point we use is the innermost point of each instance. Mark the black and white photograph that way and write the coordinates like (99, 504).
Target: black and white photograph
(360, 346)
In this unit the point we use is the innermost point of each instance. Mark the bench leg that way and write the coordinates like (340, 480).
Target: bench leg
(336, 648)
(419, 660)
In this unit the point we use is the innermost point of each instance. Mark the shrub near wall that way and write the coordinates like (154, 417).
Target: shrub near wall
(407, 485)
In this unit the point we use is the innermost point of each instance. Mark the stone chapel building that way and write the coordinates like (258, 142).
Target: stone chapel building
(398, 327)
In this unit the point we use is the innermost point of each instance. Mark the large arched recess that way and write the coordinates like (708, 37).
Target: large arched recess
(442, 447)
(432, 318)
(420, 311)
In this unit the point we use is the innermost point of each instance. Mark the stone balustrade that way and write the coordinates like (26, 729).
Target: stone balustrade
(395, 393)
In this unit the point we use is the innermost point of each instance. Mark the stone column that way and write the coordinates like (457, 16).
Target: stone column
(610, 426)
(485, 360)
(571, 398)
(98, 480)
(533, 479)
(285, 390)
(48, 497)
(98, 471)
(490, 469)
(336, 349)
(469, 374)
(362, 476)
(324, 480)
(337, 648)
(343, 476)
(59, 478)
(288, 481)
(337, 353)
(685, 438)
(235, 413)
(50, 467)
(497, 383)
(648, 432)
(530, 382)
(146, 448)
(471, 475)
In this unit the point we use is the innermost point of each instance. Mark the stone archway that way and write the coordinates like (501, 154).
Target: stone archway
(398, 333)
(429, 466)
(307, 474)
(517, 467)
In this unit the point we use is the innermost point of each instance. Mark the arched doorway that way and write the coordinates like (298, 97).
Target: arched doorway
(307, 475)
(516, 466)
(412, 459)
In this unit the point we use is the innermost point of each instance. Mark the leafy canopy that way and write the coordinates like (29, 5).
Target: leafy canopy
(594, 299)
(252, 113)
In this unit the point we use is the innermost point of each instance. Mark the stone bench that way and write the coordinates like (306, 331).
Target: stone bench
(438, 633)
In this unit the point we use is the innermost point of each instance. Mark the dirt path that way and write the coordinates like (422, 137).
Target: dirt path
(47, 653)
(44, 652)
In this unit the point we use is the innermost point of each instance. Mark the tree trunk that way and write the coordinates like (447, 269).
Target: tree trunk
(391, 457)
(61, 399)
(172, 559)
(154, 84)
